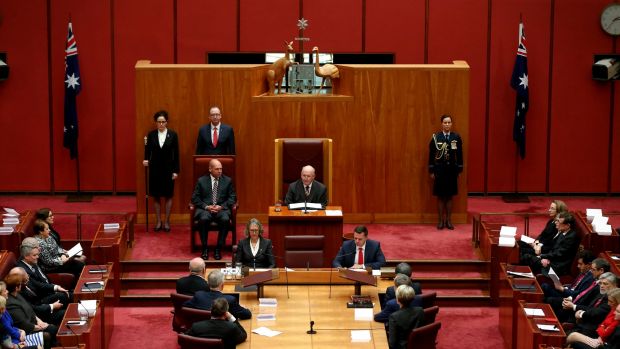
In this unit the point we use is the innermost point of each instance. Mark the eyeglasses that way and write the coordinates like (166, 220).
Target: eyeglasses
(254, 230)
(162, 122)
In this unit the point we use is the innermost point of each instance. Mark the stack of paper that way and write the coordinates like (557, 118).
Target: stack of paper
(266, 317)
(363, 314)
(111, 226)
(534, 312)
(10, 212)
(6, 230)
(268, 302)
(10, 221)
(360, 336)
(507, 236)
(89, 305)
(600, 226)
(264, 331)
(593, 212)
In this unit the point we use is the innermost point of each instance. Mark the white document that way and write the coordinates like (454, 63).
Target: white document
(264, 331)
(10, 221)
(89, 305)
(602, 229)
(534, 312)
(508, 231)
(554, 277)
(75, 250)
(6, 230)
(267, 302)
(507, 241)
(615, 258)
(288, 269)
(9, 215)
(308, 205)
(526, 275)
(11, 211)
(266, 317)
(111, 226)
(376, 272)
(360, 336)
(600, 220)
(363, 314)
(593, 212)
(336, 213)
(527, 239)
(545, 327)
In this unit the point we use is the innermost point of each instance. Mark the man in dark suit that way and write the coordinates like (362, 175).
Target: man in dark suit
(195, 281)
(360, 252)
(222, 325)
(213, 198)
(215, 138)
(581, 282)
(392, 305)
(204, 299)
(565, 245)
(590, 315)
(306, 189)
(404, 320)
(402, 268)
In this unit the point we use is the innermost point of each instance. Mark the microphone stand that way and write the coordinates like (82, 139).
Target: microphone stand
(306, 205)
(286, 274)
(146, 186)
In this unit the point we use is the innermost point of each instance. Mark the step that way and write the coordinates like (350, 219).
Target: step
(155, 265)
(442, 265)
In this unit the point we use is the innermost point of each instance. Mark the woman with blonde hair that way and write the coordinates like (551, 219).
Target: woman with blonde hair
(11, 337)
(544, 241)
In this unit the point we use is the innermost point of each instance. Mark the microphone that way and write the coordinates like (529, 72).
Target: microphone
(311, 331)
(345, 255)
(77, 338)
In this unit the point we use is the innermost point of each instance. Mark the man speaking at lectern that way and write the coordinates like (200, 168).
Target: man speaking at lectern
(360, 252)
(306, 189)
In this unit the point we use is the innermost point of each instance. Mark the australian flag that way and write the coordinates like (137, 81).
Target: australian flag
(73, 86)
(519, 82)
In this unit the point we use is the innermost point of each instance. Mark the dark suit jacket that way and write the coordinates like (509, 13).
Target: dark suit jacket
(22, 313)
(264, 257)
(225, 141)
(373, 256)
(204, 299)
(163, 162)
(202, 196)
(392, 306)
(191, 284)
(401, 323)
(231, 333)
(563, 252)
(390, 293)
(297, 193)
(39, 291)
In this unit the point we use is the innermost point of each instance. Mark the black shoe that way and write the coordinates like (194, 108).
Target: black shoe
(449, 225)
(167, 227)
(205, 255)
(157, 227)
(217, 255)
(440, 225)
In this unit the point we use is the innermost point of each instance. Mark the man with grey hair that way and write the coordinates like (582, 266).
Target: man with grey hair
(306, 189)
(598, 308)
(195, 281)
(50, 307)
(222, 324)
(391, 305)
(402, 268)
(204, 299)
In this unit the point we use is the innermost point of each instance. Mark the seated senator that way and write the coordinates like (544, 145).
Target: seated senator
(195, 281)
(255, 251)
(53, 258)
(306, 189)
(360, 252)
(544, 241)
(404, 320)
(222, 325)
(391, 305)
(45, 214)
(204, 299)
(402, 268)
(596, 338)
(563, 250)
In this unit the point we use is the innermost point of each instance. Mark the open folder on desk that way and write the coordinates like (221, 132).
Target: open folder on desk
(307, 205)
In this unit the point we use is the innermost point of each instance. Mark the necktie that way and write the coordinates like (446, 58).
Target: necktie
(360, 256)
(307, 190)
(214, 193)
(215, 137)
(584, 292)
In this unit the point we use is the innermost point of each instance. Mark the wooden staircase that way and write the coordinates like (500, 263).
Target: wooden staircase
(457, 282)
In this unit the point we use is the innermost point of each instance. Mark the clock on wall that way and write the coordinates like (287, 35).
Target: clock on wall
(610, 19)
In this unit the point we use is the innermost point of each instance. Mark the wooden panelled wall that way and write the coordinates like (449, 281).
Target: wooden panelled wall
(571, 125)
(381, 119)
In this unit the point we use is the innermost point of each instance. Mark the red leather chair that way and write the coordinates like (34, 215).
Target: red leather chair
(190, 342)
(302, 251)
(188, 316)
(430, 314)
(201, 167)
(424, 337)
(177, 303)
(428, 299)
(294, 153)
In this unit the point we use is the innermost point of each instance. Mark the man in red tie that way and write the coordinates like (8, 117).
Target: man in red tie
(360, 252)
(215, 138)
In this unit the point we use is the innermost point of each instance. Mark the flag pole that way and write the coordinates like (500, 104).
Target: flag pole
(78, 196)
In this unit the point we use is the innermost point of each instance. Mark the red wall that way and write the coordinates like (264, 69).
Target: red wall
(568, 125)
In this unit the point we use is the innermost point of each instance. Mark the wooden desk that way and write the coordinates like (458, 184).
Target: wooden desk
(614, 261)
(511, 291)
(295, 222)
(529, 335)
(105, 307)
(490, 250)
(599, 243)
(110, 247)
(333, 321)
(90, 334)
(11, 242)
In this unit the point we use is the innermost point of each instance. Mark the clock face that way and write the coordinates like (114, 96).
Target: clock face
(610, 19)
